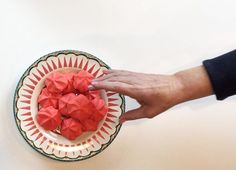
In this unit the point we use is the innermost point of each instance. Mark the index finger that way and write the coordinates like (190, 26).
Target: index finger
(118, 87)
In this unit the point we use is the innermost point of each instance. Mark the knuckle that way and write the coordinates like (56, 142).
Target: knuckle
(116, 87)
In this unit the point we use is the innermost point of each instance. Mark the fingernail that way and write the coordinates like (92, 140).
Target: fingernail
(94, 82)
(90, 87)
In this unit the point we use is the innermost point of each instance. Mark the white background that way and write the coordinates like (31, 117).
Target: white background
(154, 36)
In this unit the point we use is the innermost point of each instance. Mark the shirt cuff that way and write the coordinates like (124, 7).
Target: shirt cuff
(222, 74)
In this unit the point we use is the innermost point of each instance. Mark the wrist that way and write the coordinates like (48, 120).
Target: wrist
(193, 83)
(180, 89)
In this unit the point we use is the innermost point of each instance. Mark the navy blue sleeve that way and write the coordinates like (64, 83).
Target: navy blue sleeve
(222, 74)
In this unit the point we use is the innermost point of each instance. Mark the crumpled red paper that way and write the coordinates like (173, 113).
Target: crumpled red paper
(49, 118)
(70, 88)
(90, 125)
(80, 107)
(46, 99)
(101, 109)
(82, 80)
(63, 103)
(93, 94)
(71, 128)
(56, 82)
(67, 104)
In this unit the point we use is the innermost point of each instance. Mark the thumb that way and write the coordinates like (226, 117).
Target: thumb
(132, 114)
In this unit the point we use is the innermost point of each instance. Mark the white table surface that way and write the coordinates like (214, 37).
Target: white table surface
(154, 36)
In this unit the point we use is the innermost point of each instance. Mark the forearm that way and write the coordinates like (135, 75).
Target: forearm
(217, 75)
(194, 84)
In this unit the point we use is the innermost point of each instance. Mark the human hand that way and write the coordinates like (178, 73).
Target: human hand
(155, 93)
